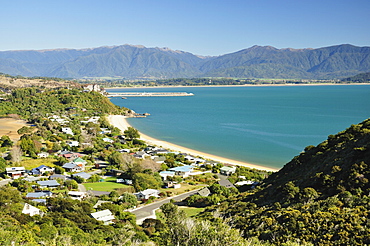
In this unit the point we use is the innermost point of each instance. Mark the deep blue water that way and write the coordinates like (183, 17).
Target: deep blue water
(267, 126)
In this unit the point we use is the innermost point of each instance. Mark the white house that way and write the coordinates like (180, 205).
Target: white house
(77, 195)
(73, 143)
(15, 172)
(184, 171)
(105, 215)
(43, 154)
(108, 140)
(31, 210)
(225, 170)
(67, 130)
(145, 194)
(42, 169)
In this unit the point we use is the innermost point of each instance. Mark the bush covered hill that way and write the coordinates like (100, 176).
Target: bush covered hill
(321, 196)
(359, 78)
(32, 103)
(139, 62)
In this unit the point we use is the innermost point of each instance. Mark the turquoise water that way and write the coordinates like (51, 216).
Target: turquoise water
(267, 126)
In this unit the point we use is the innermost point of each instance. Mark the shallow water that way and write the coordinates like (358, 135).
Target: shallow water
(266, 125)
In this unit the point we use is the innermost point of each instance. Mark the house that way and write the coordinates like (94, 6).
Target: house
(171, 184)
(69, 154)
(246, 182)
(108, 140)
(105, 131)
(73, 143)
(40, 194)
(140, 155)
(165, 174)
(204, 192)
(67, 130)
(146, 194)
(82, 175)
(105, 216)
(31, 210)
(80, 162)
(72, 167)
(225, 170)
(183, 171)
(41, 170)
(58, 176)
(48, 184)
(43, 155)
(77, 195)
(15, 172)
(159, 159)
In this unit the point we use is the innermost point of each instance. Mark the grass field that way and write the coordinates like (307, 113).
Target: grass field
(32, 163)
(104, 186)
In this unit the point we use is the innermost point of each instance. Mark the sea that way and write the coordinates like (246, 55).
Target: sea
(262, 125)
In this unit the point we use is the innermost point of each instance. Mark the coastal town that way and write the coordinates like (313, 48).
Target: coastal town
(88, 158)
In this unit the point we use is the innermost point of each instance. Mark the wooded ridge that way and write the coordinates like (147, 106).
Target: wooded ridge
(139, 62)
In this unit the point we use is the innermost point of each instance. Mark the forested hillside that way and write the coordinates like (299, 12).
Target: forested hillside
(139, 62)
(321, 196)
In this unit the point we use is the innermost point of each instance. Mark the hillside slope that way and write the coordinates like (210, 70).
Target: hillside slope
(139, 62)
(320, 197)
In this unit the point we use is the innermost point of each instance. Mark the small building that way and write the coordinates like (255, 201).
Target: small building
(72, 167)
(140, 155)
(58, 176)
(105, 216)
(43, 155)
(82, 175)
(204, 192)
(48, 184)
(67, 130)
(146, 194)
(73, 143)
(165, 174)
(69, 154)
(77, 195)
(42, 169)
(38, 195)
(15, 172)
(159, 159)
(80, 162)
(226, 170)
(184, 171)
(31, 210)
(108, 140)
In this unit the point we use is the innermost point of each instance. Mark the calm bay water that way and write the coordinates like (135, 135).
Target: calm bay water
(267, 126)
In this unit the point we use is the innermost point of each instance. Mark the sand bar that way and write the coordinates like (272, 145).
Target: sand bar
(121, 123)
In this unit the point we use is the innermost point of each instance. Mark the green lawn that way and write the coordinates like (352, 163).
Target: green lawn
(104, 186)
(190, 211)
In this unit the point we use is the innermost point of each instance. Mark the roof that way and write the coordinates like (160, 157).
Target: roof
(104, 215)
(186, 168)
(38, 194)
(69, 165)
(204, 192)
(82, 175)
(149, 192)
(228, 169)
(48, 183)
(15, 169)
(58, 176)
(79, 159)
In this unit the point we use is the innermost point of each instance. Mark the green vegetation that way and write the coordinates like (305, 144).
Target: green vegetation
(321, 196)
(104, 186)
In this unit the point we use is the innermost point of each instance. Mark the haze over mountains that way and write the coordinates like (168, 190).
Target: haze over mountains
(132, 62)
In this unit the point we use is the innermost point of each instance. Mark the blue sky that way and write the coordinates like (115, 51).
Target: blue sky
(203, 27)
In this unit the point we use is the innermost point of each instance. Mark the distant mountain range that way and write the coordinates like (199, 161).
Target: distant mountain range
(139, 62)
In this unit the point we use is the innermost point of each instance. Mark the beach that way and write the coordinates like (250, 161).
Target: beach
(121, 123)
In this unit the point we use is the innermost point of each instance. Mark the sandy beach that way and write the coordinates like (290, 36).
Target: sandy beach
(121, 123)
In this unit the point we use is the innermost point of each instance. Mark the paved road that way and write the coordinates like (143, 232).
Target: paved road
(148, 211)
(224, 181)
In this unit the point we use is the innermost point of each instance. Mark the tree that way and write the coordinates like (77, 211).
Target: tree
(5, 141)
(143, 181)
(128, 200)
(131, 133)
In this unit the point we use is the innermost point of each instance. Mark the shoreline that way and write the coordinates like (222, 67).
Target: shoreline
(121, 123)
(245, 85)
